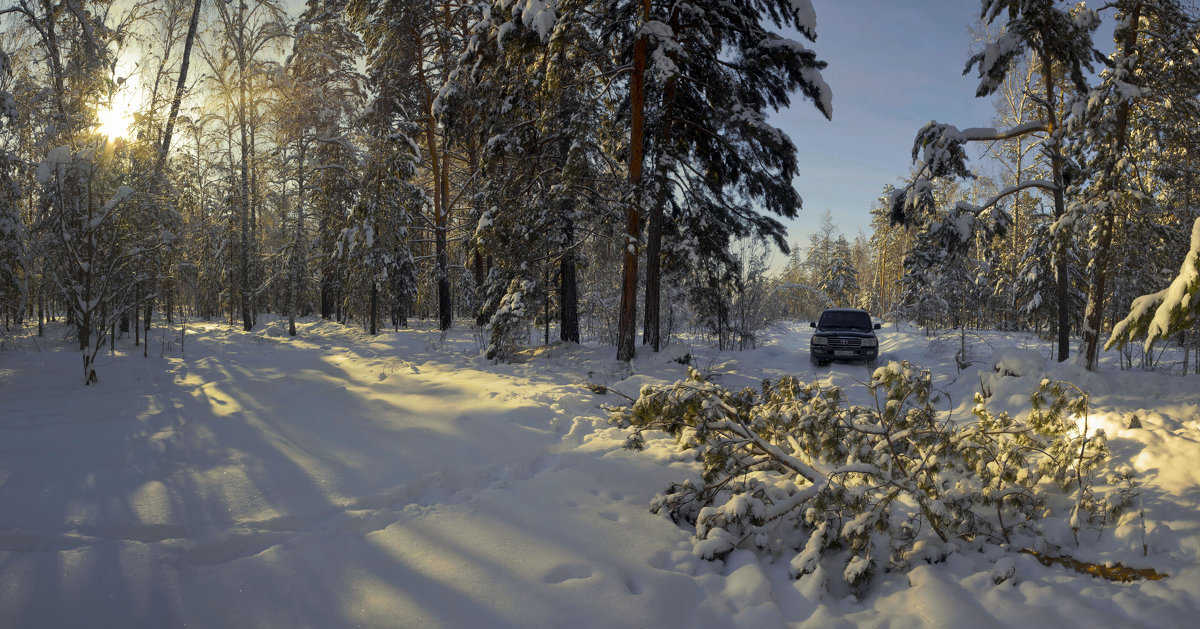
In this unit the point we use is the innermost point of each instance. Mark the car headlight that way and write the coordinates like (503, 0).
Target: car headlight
(870, 342)
(820, 340)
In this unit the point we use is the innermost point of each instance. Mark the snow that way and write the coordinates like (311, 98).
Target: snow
(1158, 311)
(335, 479)
(122, 194)
(1009, 43)
(806, 18)
(824, 92)
(56, 159)
(537, 15)
(1177, 294)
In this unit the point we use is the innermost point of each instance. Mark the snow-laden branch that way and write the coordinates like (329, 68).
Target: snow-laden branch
(1040, 184)
(1159, 315)
(990, 134)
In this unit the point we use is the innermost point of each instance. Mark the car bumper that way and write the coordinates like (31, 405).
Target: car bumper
(844, 353)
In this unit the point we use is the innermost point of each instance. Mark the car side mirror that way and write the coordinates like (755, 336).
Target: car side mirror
(812, 324)
(877, 326)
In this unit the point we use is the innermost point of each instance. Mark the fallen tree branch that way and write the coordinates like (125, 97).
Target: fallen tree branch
(1116, 572)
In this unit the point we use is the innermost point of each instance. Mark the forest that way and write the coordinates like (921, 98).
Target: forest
(570, 170)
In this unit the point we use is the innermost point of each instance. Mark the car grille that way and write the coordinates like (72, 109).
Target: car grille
(837, 342)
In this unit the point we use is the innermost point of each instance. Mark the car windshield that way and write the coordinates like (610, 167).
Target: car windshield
(845, 319)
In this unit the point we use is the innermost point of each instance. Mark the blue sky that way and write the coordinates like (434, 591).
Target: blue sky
(893, 66)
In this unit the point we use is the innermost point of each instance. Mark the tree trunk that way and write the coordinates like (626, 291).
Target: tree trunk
(652, 334)
(568, 298)
(137, 329)
(1094, 314)
(255, 260)
(146, 334)
(244, 267)
(445, 304)
(374, 308)
(295, 272)
(1060, 249)
(627, 324)
(326, 295)
(168, 129)
(546, 305)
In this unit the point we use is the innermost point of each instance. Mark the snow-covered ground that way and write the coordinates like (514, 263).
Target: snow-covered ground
(339, 480)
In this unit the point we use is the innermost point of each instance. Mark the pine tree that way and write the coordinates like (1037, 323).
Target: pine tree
(1060, 40)
(1155, 60)
(412, 46)
(14, 265)
(544, 171)
(1159, 315)
(888, 242)
(249, 30)
(700, 127)
(840, 279)
(320, 73)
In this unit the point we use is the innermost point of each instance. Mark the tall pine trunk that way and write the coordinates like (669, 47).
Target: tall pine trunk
(1062, 284)
(1094, 314)
(244, 180)
(445, 304)
(374, 308)
(568, 328)
(294, 270)
(652, 334)
(627, 324)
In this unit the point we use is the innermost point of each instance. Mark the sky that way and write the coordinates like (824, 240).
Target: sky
(893, 66)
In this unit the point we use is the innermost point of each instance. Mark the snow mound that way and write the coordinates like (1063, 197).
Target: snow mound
(1013, 361)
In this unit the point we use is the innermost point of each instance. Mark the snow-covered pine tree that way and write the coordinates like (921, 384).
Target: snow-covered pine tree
(376, 244)
(524, 94)
(840, 281)
(690, 121)
(1036, 289)
(333, 188)
(13, 257)
(1060, 39)
(888, 243)
(711, 72)
(412, 46)
(710, 287)
(943, 265)
(1159, 315)
(321, 73)
(1155, 61)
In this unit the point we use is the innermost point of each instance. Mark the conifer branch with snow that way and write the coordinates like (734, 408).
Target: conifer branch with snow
(795, 471)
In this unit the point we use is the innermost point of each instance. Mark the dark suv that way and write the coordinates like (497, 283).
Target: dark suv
(844, 334)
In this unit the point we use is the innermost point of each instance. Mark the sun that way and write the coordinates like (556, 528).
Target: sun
(115, 119)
